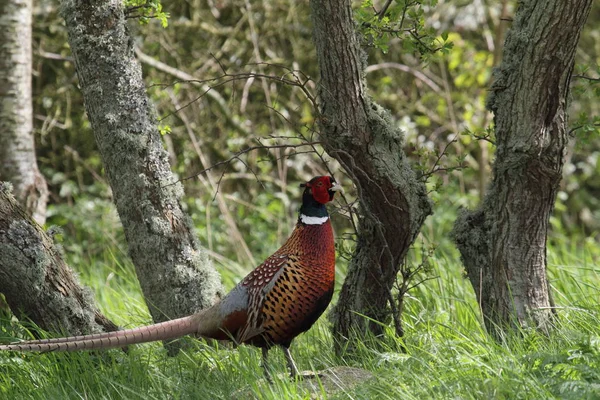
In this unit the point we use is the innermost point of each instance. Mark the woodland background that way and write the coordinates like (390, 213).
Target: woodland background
(438, 102)
(210, 75)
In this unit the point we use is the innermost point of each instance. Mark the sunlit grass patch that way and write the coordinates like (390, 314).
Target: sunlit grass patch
(448, 353)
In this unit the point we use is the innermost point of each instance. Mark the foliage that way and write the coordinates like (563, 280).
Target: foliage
(145, 10)
(403, 19)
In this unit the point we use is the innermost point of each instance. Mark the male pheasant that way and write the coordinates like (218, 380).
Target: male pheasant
(276, 302)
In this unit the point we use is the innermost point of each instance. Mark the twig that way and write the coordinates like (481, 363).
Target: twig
(237, 155)
(300, 79)
(484, 137)
(442, 169)
(588, 78)
(442, 154)
(53, 56)
(579, 127)
(289, 155)
(220, 81)
(429, 278)
(384, 9)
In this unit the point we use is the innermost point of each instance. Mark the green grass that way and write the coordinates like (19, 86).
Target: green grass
(449, 356)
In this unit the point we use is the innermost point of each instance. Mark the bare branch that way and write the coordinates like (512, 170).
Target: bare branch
(297, 79)
(579, 127)
(588, 78)
(429, 278)
(405, 68)
(237, 155)
(442, 154)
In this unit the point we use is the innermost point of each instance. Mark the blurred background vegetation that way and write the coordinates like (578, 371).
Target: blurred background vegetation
(438, 101)
(245, 208)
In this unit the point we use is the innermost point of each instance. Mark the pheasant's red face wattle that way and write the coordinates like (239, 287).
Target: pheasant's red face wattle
(319, 190)
(322, 188)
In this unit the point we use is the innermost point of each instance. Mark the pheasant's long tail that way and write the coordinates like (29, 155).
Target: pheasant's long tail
(163, 331)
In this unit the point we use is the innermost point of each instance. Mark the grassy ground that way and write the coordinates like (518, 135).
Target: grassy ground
(449, 355)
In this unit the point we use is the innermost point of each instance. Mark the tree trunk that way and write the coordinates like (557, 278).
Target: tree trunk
(503, 242)
(175, 274)
(17, 153)
(35, 279)
(363, 138)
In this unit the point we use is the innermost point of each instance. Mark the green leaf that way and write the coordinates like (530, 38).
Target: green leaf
(164, 129)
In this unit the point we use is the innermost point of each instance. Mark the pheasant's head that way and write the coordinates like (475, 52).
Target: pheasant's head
(321, 189)
(317, 192)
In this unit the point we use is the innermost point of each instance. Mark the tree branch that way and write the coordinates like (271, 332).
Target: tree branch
(237, 155)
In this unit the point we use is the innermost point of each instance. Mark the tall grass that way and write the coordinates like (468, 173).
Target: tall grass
(449, 355)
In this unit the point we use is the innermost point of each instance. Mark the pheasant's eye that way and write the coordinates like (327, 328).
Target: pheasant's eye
(320, 184)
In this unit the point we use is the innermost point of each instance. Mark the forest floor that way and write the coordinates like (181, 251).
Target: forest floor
(448, 354)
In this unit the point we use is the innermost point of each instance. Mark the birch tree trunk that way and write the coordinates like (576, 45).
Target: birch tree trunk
(175, 274)
(363, 138)
(17, 153)
(503, 242)
(35, 279)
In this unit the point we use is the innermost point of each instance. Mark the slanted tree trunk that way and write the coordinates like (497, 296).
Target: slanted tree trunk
(175, 274)
(362, 136)
(503, 242)
(35, 279)
(17, 153)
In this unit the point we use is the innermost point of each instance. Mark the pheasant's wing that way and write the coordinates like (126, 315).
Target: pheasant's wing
(257, 284)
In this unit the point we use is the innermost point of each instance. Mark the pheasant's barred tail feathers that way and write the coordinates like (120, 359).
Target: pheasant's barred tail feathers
(162, 331)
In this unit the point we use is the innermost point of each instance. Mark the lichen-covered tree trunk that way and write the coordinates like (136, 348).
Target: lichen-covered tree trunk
(175, 274)
(35, 279)
(503, 242)
(17, 153)
(363, 138)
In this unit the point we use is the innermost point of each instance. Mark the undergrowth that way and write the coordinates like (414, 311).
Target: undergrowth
(448, 354)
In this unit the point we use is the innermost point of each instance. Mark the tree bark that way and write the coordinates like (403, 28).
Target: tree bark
(503, 242)
(175, 274)
(17, 153)
(35, 279)
(363, 138)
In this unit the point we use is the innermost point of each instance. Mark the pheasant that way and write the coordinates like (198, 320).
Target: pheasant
(277, 301)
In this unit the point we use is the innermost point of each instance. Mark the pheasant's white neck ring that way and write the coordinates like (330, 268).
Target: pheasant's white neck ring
(305, 219)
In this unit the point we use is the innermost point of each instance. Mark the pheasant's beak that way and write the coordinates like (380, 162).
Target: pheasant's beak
(336, 188)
